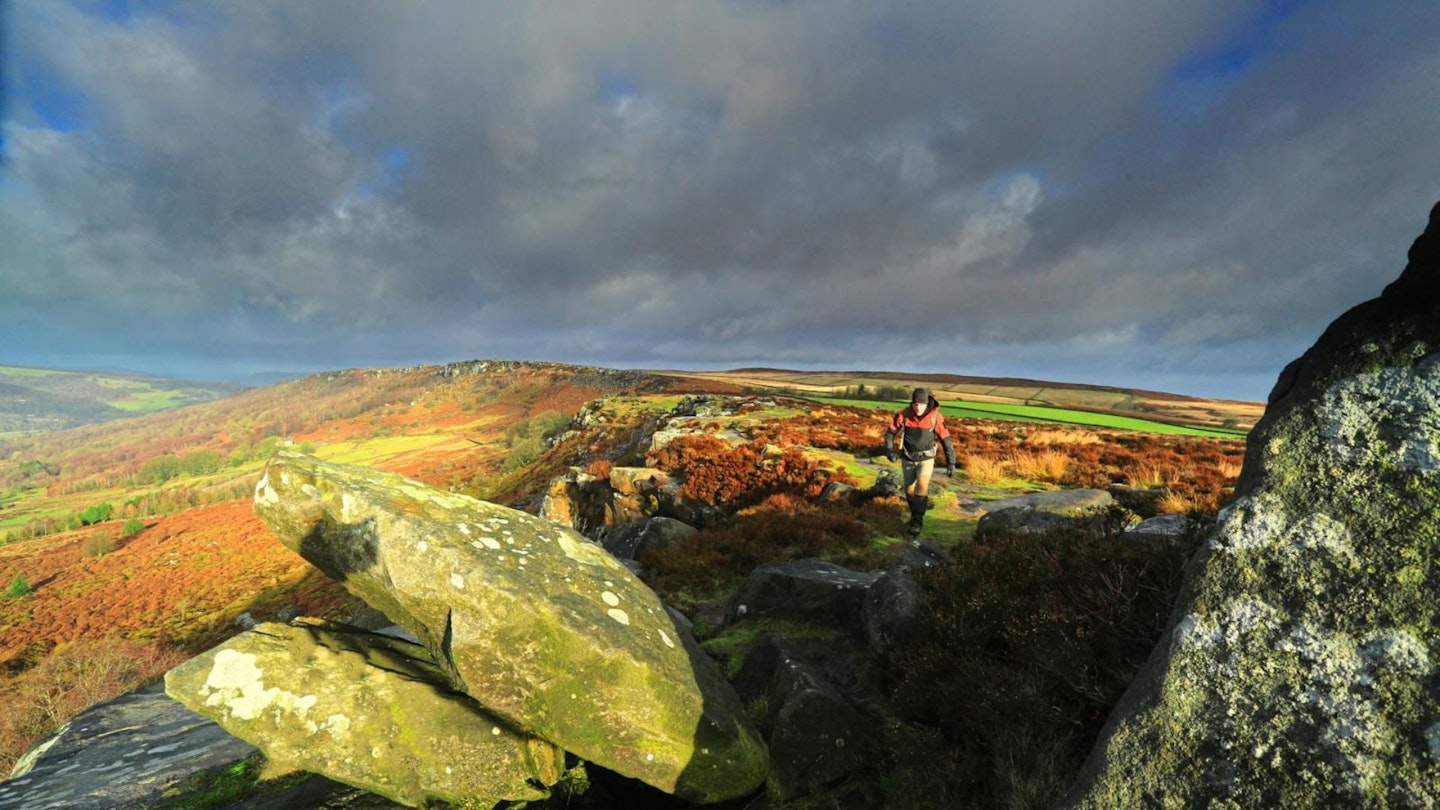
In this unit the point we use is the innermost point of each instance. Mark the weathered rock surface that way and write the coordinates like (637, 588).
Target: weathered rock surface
(816, 736)
(633, 540)
(1302, 668)
(596, 507)
(540, 626)
(920, 555)
(1158, 529)
(1019, 520)
(1060, 502)
(122, 753)
(366, 709)
(815, 590)
(894, 613)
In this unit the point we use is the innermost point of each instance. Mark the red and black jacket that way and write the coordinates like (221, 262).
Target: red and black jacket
(920, 433)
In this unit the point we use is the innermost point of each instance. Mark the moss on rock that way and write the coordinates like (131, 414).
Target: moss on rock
(1301, 668)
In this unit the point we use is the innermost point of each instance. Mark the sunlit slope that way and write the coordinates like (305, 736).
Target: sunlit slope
(49, 399)
(1153, 406)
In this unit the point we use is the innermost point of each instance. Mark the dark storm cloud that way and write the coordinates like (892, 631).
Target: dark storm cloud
(1116, 191)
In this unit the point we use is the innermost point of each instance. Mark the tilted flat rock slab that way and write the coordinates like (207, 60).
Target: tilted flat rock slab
(1060, 501)
(365, 709)
(122, 753)
(542, 627)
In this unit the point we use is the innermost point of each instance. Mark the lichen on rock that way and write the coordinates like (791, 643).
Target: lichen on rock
(1300, 669)
(545, 629)
(365, 709)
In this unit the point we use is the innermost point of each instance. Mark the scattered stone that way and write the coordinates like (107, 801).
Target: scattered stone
(1161, 529)
(637, 480)
(838, 491)
(919, 555)
(815, 590)
(543, 628)
(887, 485)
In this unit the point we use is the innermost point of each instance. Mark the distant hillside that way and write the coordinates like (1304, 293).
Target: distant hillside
(1174, 409)
(51, 399)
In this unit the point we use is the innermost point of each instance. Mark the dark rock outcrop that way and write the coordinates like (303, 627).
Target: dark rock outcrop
(629, 542)
(894, 613)
(816, 736)
(1019, 520)
(813, 590)
(1303, 666)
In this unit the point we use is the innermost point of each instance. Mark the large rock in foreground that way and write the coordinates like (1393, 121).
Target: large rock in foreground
(542, 627)
(365, 709)
(1302, 668)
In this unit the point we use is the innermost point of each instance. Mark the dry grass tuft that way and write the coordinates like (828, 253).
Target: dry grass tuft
(1046, 438)
(1173, 504)
(1046, 465)
(983, 470)
(1149, 476)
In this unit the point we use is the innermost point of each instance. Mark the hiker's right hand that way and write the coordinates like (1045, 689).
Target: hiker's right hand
(890, 454)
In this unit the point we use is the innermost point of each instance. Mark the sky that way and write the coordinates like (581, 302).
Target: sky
(1176, 196)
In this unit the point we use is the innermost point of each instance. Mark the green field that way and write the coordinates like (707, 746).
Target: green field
(36, 399)
(1047, 415)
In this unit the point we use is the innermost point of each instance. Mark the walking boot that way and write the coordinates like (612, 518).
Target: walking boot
(917, 514)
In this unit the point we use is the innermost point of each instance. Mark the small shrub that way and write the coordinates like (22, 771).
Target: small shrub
(1173, 504)
(19, 586)
(1034, 640)
(522, 454)
(97, 545)
(133, 526)
(70, 680)
(1149, 476)
(98, 513)
(1230, 468)
(782, 528)
(716, 473)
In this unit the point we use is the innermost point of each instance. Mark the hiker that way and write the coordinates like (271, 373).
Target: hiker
(919, 426)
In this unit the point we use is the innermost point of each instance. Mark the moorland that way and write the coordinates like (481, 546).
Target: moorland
(130, 544)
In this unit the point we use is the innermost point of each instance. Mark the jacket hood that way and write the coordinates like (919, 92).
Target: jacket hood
(933, 403)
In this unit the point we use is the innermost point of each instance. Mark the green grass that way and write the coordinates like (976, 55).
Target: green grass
(1048, 415)
(18, 371)
(147, 401)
